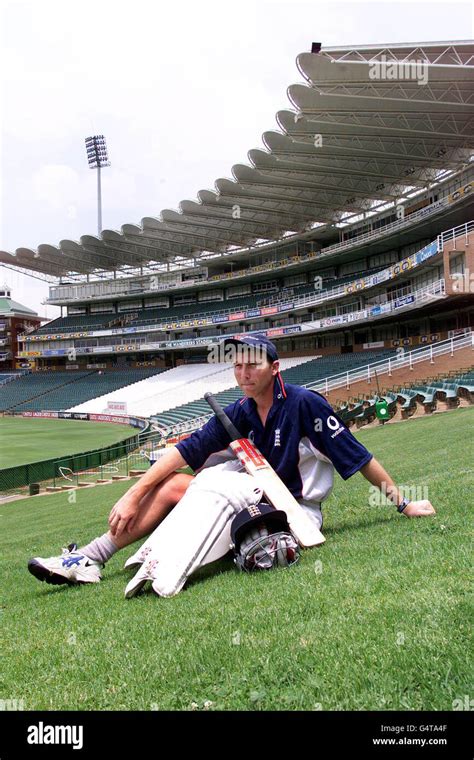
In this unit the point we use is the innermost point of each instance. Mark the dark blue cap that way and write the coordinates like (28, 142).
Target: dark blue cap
(257, 340)
(274, 519)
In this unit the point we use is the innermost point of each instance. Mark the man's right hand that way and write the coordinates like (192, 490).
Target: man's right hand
(123, 514)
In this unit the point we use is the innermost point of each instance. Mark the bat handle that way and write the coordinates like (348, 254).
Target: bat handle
(222, 417)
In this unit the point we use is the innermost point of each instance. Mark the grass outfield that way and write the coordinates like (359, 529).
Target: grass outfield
(24, 440)
(375, 619)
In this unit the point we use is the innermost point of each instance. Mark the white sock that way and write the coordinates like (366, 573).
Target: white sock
(100, 549)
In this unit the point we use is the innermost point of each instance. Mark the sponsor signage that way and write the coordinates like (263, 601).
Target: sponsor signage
(402, 266)
(460, 192)
(399, 302)
(364, 282)
(331, 321)
(108, 418)
(429, 338)
(117, 406)
(401, 342)
(374, 344)
(187, 343)
(393, 271)
(426, 252)
(381, 276)
(137, 422)
(283, 330)
(41, 414)
(123, 420)
(459, 331)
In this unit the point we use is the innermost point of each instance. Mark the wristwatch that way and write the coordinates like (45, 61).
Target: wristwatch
(403, 504)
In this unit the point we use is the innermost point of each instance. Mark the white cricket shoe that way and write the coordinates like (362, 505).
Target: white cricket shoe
(71, 567)
(140, 579)
(139, 557)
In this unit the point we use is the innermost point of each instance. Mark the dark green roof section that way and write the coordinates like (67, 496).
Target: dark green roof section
(8, 306)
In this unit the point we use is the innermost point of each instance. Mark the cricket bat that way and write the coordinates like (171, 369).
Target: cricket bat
(303, 528)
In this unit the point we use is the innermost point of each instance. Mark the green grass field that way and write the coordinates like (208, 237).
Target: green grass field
(378, 618)
(24, 440)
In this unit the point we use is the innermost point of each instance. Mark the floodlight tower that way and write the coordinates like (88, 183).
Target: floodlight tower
(97, 157)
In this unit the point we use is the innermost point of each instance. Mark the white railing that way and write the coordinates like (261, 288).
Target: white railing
(187, 426)
(454, 234)
(14, 376)
(386, 229)
(5, 380)
(386, 366)
(430, 292)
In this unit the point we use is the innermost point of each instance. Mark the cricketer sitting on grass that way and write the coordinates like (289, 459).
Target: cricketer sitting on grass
(189, 517)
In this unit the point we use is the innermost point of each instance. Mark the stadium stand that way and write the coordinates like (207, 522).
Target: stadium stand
(408, 399)
(403, 402)
(95, 322)
(304, 373)
(425, 395)
(7, 377)
(76, 323)
(36, 385)
(186, 382)
(60, 390)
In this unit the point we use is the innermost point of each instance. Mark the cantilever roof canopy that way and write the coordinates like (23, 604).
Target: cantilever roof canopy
(369, 125)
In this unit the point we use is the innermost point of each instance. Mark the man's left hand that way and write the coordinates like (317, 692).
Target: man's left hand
(419, 509)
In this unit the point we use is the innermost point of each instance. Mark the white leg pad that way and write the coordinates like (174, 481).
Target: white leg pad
(222, 544)
(197, 530)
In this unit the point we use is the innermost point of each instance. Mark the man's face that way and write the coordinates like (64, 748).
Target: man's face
(255, 377)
